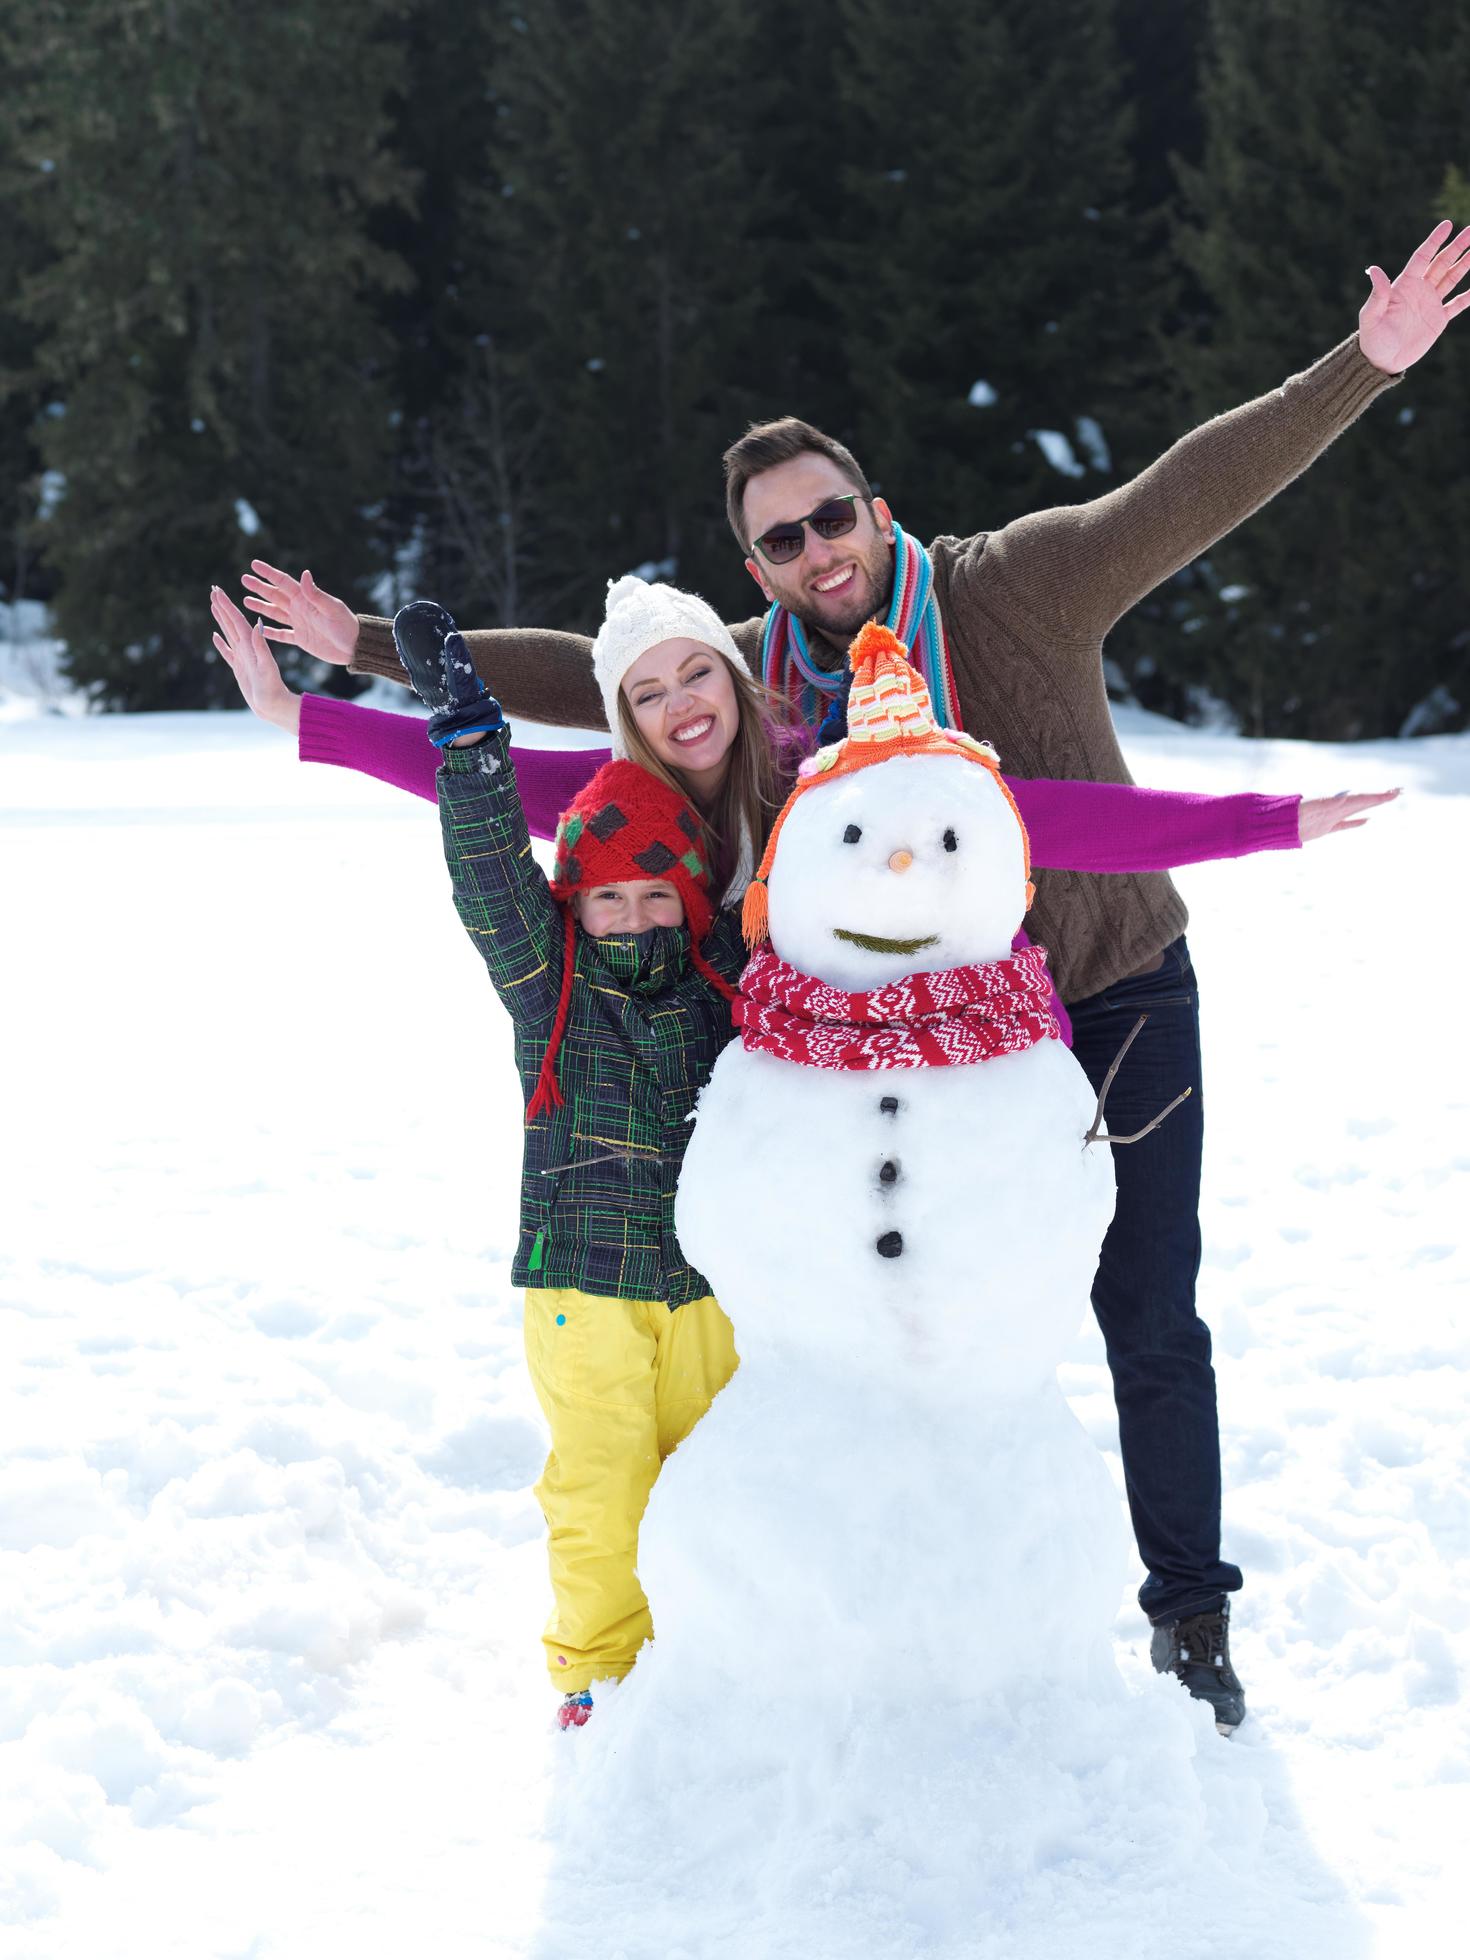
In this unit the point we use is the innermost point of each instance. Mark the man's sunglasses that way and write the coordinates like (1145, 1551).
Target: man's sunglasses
(833, 519)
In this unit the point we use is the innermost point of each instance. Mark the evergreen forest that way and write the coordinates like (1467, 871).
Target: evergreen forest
(465, 298)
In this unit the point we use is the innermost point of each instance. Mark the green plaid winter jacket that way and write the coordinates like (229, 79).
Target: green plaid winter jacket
(642, 1034)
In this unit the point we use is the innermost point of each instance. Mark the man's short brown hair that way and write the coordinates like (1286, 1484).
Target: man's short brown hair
(764, 445)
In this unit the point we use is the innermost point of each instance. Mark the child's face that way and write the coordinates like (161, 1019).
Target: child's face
(636, 906)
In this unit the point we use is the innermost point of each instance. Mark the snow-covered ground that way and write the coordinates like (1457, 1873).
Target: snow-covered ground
(31, 679)
(271, 1577)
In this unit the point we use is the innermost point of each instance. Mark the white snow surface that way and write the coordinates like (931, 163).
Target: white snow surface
(1058, 451)
(30, 665)
(1092, 439)
(271, 1575)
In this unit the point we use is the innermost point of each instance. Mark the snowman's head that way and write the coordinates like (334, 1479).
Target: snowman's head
(906, 866)
(900, 850)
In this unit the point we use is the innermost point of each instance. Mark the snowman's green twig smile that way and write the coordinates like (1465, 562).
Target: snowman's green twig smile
(870, 943)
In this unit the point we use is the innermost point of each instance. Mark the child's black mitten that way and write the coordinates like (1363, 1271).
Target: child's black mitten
(432, 648)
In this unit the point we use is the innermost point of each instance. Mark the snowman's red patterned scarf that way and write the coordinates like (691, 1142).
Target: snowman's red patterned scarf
(928, 1020)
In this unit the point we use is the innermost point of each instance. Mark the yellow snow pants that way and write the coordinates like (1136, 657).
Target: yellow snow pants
(621, 1383)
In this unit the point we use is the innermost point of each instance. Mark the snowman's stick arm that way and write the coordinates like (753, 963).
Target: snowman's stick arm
(1095, 1133)
(1107, 1082)
(1138, 1135)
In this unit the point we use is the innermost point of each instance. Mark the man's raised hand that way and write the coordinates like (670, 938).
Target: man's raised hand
(1402, 318)
(305, 616)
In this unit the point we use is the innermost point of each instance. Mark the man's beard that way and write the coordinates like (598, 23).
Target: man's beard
(875, 576)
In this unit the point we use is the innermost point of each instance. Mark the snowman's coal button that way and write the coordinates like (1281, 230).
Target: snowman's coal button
(888, 1172)
(890, 1245)
(889, 1105)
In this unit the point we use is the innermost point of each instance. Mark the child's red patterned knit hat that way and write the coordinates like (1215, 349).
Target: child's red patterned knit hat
(626, 824)
(622, 826)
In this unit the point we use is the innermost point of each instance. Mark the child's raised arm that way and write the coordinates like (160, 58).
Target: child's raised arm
(501, 896)
(500, 892)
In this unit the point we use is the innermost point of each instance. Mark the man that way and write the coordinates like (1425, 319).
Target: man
(1010, 626)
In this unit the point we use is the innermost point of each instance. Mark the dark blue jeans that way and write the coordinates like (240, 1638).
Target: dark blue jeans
(1158, 1347)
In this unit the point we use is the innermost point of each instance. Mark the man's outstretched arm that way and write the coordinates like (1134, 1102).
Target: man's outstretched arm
(539, 675)
(1079, 567)
(536, 673)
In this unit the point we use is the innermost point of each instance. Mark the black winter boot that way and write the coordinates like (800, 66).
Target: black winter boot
(1197, 1650)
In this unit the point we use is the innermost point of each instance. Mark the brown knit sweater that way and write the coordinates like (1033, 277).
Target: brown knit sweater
(1026, 610)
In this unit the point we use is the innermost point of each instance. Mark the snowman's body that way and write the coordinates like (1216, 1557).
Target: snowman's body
(973, 1180)
(896, 1426)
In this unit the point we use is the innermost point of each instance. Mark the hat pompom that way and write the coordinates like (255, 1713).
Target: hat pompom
(622, 591)
(870, 644)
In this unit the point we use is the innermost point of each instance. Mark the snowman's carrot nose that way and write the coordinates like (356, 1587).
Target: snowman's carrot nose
(900, 861)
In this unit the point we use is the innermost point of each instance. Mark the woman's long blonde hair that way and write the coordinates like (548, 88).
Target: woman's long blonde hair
(769, 742)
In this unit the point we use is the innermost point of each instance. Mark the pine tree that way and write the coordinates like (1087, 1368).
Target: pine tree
(618, 289)
(205, 320)
(444, 535)
(22, 390)
(1161, 53)
(797, 138)
(1329, 134)
(990, 318)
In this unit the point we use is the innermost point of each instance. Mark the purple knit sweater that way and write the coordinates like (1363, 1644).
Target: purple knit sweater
(1072, 826)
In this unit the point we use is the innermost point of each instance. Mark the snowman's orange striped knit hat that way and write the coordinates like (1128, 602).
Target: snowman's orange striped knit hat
(888, 713)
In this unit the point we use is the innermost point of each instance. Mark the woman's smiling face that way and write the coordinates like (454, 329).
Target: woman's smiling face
(681, 695)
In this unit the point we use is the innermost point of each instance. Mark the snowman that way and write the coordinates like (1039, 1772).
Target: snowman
(881, 1713)
(891, 1189)
(881, 1716)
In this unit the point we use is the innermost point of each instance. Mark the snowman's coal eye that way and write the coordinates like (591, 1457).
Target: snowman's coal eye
(852, 833)
(951, 842)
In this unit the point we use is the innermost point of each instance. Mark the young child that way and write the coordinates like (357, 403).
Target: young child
(618, 979)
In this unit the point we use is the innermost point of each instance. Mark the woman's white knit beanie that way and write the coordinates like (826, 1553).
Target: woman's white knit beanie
(640, 616)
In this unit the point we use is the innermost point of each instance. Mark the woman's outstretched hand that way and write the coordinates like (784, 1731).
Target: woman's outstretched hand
(243, 649)
(305, 616)
(1320, 816)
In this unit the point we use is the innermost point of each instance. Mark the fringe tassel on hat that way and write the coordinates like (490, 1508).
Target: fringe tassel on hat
(755, 913)
(548, 1094)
